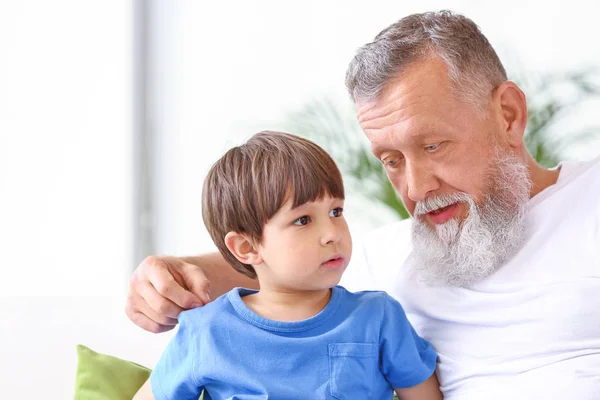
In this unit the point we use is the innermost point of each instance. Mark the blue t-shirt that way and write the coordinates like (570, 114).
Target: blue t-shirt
(359, 346)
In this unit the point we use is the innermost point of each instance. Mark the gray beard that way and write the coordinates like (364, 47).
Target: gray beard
(459, 254)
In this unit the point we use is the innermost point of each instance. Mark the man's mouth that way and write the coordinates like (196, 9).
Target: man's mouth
(442, 215)
(440, 210)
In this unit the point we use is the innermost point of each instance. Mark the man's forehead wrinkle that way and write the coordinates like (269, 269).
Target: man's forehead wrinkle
(393, 113)
(391, 118)
(397, 90)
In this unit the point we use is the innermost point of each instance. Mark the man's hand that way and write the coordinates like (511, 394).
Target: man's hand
(162, 287)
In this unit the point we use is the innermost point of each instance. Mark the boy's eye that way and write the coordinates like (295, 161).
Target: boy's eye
(336, 212)
(305, 219)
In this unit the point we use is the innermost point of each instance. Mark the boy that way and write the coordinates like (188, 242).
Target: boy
(274, 208)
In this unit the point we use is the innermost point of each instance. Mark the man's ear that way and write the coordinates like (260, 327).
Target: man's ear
(242, 248)
(512, 107)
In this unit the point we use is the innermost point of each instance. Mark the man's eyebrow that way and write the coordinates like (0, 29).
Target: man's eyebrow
(377, 148)
(417, 138)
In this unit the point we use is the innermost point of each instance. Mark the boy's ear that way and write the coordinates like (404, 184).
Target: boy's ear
(242, 248)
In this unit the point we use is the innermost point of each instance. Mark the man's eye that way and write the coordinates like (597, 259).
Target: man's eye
(432, 147)
(302, 220)
(391, 162)
(336, 212)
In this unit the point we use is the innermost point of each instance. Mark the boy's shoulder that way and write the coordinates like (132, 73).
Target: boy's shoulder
(365, 295)
(367, 299)
(373, 304)
(216, 310)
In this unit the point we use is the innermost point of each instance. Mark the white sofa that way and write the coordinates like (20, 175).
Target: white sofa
(39, 334)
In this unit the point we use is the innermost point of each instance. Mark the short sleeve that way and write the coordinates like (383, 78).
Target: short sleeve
(406, 358)
(174, 375)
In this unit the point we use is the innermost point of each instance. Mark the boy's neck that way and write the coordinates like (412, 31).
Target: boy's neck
(287, 306)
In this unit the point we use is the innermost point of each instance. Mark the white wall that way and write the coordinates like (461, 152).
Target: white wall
(65, 190)
(65, 145)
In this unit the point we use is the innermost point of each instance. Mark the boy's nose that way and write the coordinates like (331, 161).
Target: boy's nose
(330, 233)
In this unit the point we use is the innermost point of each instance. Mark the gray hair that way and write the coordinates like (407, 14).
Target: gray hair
(474, 68)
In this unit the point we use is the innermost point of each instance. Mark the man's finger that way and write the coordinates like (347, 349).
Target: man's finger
(168, 287)
(147, 324)
(143, 316)
(157, 303)
(197, 283)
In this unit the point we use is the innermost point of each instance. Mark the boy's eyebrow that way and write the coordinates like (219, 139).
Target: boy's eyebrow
(299, 207)
(310, 204)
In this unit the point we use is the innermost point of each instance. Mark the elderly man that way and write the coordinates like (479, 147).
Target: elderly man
(499, 268)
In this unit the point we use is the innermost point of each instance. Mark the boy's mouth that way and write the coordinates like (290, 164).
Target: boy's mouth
(334, 262)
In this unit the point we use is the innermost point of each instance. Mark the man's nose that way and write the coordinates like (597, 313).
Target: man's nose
(420, 181)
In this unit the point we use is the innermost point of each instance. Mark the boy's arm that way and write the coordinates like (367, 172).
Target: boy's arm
(426, 390)
(408, 361)
(176, 374)
(145, 392)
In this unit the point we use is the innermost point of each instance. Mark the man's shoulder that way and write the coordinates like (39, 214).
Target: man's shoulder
(394, 238)
(574, 169)
(578, 187)
(584, 174)
(391, 231)
(379, 257)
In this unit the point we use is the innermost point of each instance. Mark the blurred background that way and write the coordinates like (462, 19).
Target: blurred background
(112, 112)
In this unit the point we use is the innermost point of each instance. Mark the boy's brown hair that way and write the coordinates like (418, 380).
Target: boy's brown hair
(251, 182)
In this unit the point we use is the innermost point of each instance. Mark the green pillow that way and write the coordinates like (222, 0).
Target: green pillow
(101, 377)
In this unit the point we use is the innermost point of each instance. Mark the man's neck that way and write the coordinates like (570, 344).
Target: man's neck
(541, 178)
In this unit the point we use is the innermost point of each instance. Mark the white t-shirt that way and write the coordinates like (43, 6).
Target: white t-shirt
(529, 331)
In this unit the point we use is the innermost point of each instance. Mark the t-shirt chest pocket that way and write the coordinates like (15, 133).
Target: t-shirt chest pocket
(352, 368)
